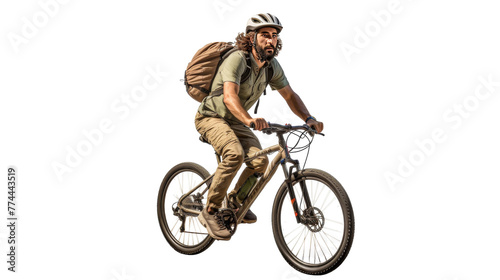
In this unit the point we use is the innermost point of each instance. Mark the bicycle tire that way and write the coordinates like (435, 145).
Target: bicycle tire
(163, 212)
(344, 210)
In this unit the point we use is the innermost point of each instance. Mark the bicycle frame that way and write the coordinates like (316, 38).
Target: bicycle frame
(282, 158)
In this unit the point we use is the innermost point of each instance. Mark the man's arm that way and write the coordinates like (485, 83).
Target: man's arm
(298, 107)
(233, 103)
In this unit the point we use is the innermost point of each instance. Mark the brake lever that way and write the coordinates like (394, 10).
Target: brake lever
(313, 131)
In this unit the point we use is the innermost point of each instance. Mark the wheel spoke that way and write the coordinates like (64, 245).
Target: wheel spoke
(328, 205)
(329, 239)
(320, 247)
(326, 244)
(298, 239)
(310, 247)
(312, 191)
(302, 246)
(181, 183)
(324, 202)
(304, 243)
(331, 236)
(319, 195)
(178, 229)
(191, 229)
(315, 249)
(298, 227)
(336, 230)
(334, 221)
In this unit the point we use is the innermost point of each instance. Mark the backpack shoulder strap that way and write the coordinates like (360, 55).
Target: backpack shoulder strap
(269, 76)
(246, 74)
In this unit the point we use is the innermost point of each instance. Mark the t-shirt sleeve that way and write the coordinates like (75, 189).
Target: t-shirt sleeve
(233, 68)
(278, 81)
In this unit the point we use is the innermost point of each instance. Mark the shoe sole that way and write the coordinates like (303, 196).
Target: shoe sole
(248, 221)
(205, 224)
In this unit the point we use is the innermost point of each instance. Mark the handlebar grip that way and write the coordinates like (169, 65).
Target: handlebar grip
(252, 125)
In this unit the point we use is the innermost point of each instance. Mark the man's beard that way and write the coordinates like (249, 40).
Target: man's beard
(263, 55)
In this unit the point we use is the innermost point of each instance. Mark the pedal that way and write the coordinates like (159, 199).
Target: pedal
(229, 217)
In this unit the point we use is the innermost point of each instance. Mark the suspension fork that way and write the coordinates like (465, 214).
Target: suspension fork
(289, 175)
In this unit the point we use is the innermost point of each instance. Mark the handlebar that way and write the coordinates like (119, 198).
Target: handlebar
(279, 128)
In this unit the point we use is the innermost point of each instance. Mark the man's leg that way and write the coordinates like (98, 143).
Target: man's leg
(225, 142)
(220, 135)
(250, 144)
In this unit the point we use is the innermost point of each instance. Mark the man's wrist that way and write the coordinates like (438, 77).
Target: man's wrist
(310, 118)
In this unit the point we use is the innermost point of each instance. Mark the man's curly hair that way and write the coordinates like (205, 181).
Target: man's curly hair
(244, 43)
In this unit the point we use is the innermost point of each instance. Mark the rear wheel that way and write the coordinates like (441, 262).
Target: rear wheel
(323, 238)
(182, 229)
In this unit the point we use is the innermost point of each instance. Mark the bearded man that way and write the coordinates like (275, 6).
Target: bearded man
(223, 119)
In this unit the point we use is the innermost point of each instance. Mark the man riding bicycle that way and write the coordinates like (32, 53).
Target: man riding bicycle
(223, 120)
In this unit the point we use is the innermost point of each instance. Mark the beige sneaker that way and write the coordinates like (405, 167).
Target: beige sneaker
(214, 224)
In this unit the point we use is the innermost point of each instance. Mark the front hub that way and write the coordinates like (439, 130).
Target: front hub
(314, 219)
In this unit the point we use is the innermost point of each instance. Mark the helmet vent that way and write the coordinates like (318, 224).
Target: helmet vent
(264, 17)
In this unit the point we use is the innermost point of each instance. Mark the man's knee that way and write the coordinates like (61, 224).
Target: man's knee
(234, 155)
(260, 164)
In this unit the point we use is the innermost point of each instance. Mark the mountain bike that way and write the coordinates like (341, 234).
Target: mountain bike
(312, 216)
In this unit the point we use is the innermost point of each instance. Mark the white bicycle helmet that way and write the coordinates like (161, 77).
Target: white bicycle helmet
(263, 20)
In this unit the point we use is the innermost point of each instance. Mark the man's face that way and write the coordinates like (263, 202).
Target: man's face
(267, 40)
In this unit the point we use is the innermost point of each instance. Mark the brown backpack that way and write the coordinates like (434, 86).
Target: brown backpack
(204, 65)
(201, 71)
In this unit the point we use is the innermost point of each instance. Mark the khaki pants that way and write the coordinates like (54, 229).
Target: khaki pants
(232, 142)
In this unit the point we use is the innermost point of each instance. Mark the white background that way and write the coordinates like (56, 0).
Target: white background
(99, 221)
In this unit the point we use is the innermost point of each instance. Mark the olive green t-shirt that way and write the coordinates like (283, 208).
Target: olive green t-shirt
(231, 70)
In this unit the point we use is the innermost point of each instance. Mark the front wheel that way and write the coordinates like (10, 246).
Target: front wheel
(320, 242)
